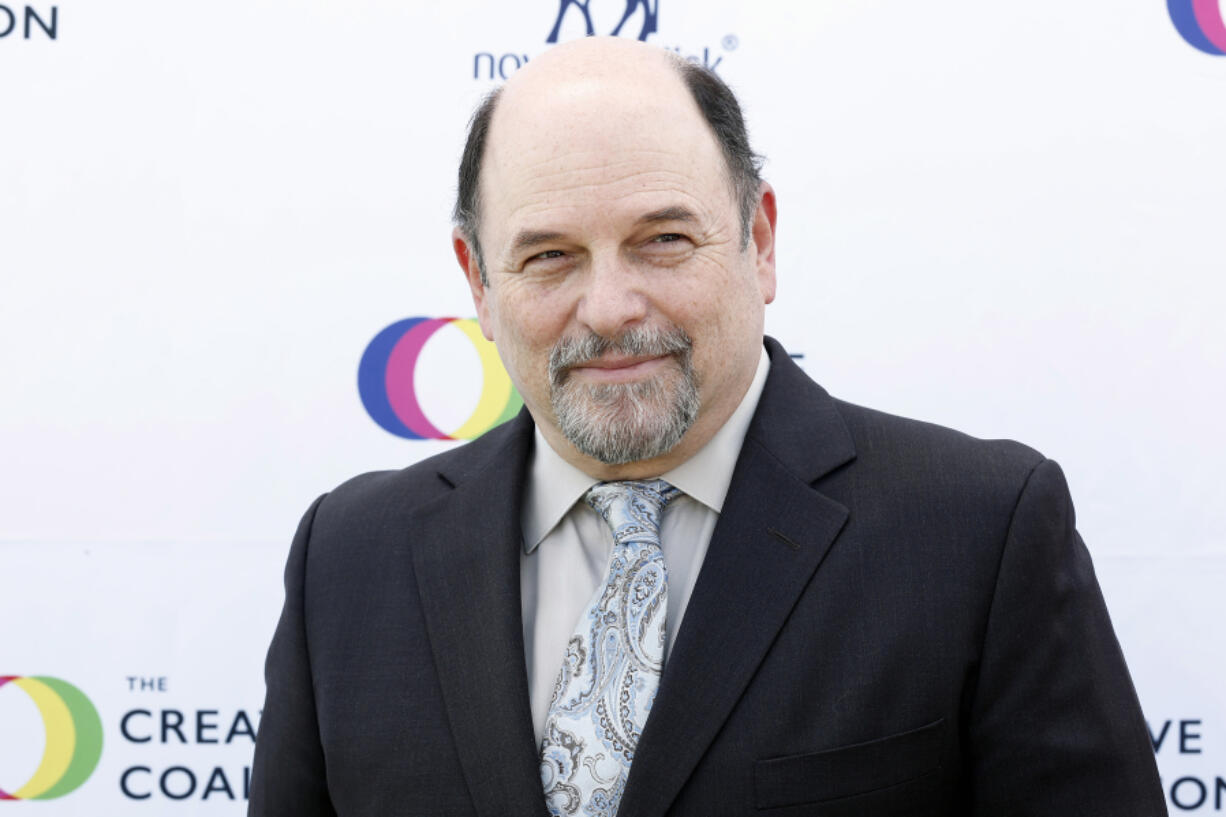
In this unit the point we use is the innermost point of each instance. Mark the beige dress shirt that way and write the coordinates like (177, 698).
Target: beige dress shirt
(567, 545)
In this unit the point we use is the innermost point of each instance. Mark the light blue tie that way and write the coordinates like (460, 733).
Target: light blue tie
(613, 661)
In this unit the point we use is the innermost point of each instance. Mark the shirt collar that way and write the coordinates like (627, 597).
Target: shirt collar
(554, 485)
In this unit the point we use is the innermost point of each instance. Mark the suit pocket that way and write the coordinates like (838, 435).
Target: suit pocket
(849, 770)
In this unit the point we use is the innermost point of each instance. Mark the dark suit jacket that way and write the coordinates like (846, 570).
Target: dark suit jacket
(892, 619)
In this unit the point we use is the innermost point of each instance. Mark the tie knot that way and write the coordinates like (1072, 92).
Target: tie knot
(632, 508)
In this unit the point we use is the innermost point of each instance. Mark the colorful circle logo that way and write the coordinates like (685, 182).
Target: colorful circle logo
(1201, 23)
(74, 738)
(385, 381)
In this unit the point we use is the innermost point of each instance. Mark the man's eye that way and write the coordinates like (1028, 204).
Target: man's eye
(545, 256)
(668, 237)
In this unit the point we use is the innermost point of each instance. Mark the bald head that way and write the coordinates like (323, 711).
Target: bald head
(594, 89)
(596, 58)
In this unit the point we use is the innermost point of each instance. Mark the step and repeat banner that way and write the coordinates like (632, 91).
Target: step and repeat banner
(227, 285)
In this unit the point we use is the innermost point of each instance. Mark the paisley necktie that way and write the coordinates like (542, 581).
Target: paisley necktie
(613, 661)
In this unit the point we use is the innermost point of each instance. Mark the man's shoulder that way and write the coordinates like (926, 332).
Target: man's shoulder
(377, 493)
(915, 452)
(876, 431)
(799, 421)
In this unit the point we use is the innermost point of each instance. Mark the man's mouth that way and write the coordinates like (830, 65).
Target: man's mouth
(637, 355)
(616, 368)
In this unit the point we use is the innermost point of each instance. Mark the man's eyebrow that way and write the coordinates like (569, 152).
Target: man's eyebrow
(527, 239)
(668, 214)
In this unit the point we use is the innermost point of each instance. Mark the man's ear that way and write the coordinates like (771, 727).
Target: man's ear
(466, 255)
(762, 241)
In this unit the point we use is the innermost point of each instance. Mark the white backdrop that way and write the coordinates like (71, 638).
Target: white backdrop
(1007, 218)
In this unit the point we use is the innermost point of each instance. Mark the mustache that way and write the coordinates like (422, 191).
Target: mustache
(643, 340)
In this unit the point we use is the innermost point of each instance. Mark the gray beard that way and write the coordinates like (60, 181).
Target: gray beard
(617, 423)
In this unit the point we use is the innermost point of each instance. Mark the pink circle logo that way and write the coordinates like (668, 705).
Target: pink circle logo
(386, 375)
(1201, 23)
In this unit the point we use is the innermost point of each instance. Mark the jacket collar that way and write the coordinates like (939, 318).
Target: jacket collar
(774, 532)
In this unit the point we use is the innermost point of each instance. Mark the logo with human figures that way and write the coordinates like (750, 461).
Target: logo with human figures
(73, 742)
(650, 9)
(637, 19)
(1201, 23)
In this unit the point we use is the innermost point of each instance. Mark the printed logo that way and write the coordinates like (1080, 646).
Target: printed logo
(639, 19)
(29, 22)
(74, 738)
(651, 13)
(386, 375)
(1201, 23)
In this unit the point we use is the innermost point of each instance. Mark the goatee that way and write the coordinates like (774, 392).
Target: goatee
(617, 423)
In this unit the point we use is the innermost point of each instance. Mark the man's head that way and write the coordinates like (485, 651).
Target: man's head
(626, 252)
(716, 103)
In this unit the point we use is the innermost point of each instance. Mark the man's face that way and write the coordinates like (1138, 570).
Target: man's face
(623, 301)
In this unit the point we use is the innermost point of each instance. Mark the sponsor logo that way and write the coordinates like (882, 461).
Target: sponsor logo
(1201, 23)
(171, 753)
(386, 381)
(651, 13)
(1180, 742)
(74, 738)
(27, 22)
(639, 19)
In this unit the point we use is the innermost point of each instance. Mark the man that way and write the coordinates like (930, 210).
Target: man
(685, 580)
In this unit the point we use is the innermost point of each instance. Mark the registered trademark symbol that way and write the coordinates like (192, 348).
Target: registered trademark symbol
(730, 42)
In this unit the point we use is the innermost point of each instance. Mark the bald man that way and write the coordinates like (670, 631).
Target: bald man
(684, 580)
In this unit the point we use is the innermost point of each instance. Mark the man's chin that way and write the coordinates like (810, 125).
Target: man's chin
(628, 447)
(621, 423)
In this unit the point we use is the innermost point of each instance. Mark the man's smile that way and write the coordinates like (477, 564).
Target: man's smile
(619, 368)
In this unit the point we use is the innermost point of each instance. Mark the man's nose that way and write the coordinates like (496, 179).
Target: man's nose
(612, 299)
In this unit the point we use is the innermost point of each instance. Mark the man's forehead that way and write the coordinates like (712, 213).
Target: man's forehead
(573, 190)
(588, 167)
(597, 138)
(596, 113)
(597, 94)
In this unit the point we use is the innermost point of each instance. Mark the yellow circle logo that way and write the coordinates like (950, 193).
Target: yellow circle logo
(74, 737)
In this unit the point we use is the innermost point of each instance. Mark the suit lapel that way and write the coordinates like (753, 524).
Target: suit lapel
(466, 556)
(773, 534)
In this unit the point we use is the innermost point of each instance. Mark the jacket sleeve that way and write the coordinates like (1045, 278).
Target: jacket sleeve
(289, 776)
(1055, 726)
